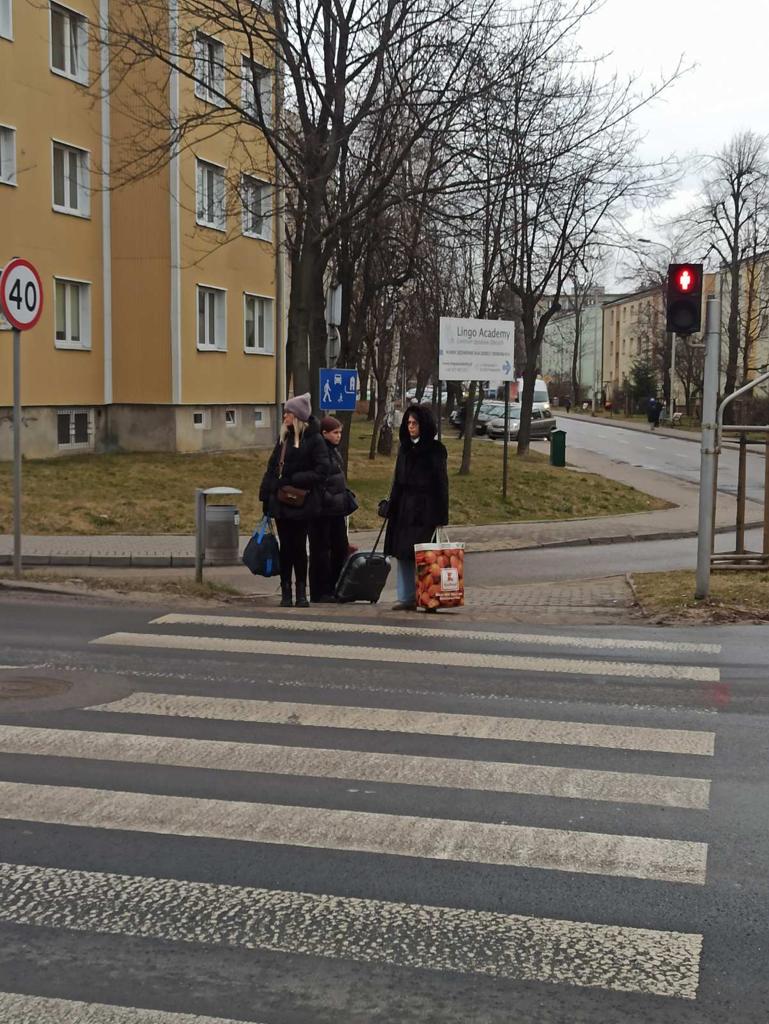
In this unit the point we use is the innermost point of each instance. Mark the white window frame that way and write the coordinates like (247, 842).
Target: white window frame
(262, 192)
(83, 208)
(88, 443)
(6, 19)
(84, 313)
(268, 347)
(231, 417)
(209, 206)
(7, 153)
(247, 97)
(219, 296)
(209, 69)
(204, 418)
(76, 66)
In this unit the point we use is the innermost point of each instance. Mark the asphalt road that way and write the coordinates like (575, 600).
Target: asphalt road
(291, 821)
(586, 561)
(663, 454)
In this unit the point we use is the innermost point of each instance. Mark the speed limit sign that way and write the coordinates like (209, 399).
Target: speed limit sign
(21, 294)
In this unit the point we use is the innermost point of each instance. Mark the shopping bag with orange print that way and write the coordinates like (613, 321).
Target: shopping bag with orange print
(440, 569)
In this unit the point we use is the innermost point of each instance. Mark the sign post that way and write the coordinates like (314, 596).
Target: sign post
(21, 300)
(479, 350)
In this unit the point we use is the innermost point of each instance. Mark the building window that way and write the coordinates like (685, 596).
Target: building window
(258, 334)
(230, 417)
(256, 81)
(209, 69)
(7, 155)
(6, 19)
(70, 180)
(212, 318)
(210, 195)
(74, 428)
(73, 314)
(257, 208)
(69, 43)
(258, 418)
(201, 419)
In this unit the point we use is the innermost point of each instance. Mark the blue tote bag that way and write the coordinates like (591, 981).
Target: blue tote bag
(262, 553)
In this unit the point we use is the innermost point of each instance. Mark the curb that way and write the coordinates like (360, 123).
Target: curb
(187, 562)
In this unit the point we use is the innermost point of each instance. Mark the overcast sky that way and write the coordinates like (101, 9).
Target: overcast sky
(726, 92)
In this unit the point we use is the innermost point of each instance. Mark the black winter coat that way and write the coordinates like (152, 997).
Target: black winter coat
(419, 500)
(306, 466)
(335, 499)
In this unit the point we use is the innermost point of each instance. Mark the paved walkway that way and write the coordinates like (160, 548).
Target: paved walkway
(680, 520)
(131, 560)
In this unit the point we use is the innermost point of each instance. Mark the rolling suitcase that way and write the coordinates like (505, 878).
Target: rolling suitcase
(363, 575)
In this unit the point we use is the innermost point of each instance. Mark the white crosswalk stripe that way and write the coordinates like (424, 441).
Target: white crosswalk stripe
(432, 938)
(593, 643)
(146, 732)
(335, 716)
(390, 655)
(22, 1009)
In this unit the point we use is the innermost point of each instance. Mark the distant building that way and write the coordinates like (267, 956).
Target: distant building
(160, 329)
(559, 341)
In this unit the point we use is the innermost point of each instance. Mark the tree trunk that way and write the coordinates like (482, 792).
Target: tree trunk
(387, 430)
(468, 430)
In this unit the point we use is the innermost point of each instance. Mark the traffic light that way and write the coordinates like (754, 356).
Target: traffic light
(684, 298)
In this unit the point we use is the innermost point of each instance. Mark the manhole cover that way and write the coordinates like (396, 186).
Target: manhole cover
(24, 689)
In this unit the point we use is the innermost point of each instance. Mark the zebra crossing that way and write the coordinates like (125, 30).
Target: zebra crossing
(103, 773)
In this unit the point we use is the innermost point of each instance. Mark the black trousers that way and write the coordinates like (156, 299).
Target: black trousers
(328, 550)
(292, 534)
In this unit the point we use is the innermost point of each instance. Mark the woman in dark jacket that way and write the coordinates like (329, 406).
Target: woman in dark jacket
(419, 500)
(328, 531)
(299, 460)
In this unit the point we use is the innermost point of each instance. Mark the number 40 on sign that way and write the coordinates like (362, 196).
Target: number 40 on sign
(21, 294)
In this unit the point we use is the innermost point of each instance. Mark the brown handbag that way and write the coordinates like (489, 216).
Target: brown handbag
(292, 495)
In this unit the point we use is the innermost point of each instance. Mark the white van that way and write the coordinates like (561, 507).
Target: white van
(541, 394)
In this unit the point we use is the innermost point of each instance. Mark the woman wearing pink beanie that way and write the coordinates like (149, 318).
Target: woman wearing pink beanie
(299, 463)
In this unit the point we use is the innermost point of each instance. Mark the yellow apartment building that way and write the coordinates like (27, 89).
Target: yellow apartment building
(162, 311)
(631, 326)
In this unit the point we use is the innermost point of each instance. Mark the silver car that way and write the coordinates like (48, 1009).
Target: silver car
(543, 423)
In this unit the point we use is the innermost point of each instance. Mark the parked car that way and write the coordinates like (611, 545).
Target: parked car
(543, 423)
(487, 411)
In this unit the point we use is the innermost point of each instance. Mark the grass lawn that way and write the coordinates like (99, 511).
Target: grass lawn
(733, 595)
(154, 493)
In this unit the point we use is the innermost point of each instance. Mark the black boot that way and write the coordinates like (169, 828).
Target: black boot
(301, 595)
(285, 594)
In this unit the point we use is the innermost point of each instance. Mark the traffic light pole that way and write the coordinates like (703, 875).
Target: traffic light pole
(709, 447)
(673, 341)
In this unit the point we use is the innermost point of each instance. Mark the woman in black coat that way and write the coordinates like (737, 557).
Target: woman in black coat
(300, 460)
(419, 499)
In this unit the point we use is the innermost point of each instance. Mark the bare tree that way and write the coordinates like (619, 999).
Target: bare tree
(733, 221)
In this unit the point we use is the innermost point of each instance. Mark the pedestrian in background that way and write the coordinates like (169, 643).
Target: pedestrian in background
(291, 492)
(328, 529)
(419, 499)
(567, 403)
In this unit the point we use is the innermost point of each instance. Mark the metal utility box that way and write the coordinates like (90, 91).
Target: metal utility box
(558, 448)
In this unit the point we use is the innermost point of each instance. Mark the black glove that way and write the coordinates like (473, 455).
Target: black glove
(383, 508)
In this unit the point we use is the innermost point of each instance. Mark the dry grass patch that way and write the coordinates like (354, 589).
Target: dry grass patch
(734, 596)
(153, 493)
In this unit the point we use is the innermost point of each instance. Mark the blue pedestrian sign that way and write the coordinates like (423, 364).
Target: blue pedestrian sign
(338, 390)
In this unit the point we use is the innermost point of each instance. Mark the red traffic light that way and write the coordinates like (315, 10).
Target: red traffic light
(686, 279)
(684, 298)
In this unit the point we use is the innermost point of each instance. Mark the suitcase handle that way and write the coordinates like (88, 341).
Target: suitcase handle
(378, 537)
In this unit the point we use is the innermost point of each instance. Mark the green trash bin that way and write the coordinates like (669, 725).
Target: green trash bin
(558, 448)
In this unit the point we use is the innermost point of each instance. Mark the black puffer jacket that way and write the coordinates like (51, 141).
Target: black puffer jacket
(419, 500)
(335, 501)
(306, 466)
